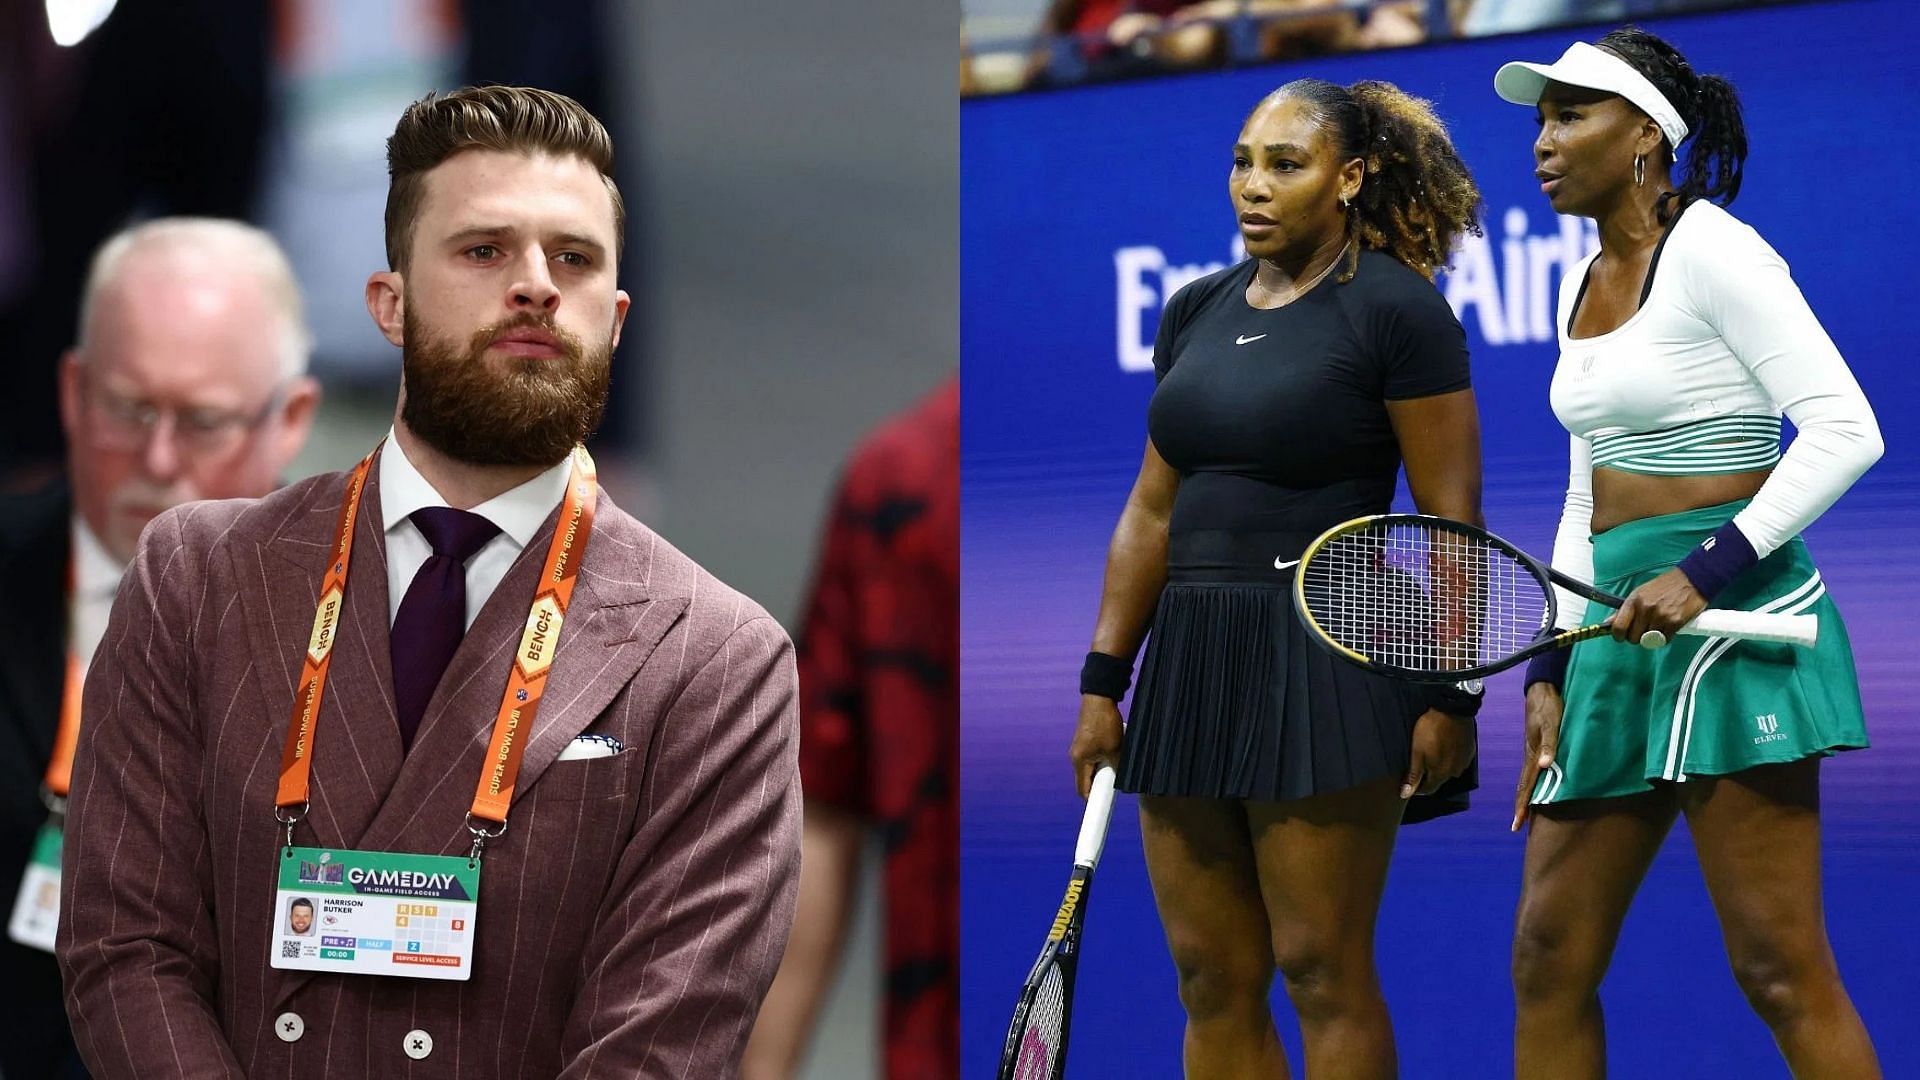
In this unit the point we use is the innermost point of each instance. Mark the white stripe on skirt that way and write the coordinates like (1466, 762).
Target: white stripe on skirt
(1555, 779)
(1803, 596)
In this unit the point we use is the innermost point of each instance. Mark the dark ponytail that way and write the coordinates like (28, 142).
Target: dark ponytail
(1717, 138)
(1418, 197)
(1719, 149)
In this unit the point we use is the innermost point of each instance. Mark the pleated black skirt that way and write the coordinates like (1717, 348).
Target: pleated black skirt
(1235, 701)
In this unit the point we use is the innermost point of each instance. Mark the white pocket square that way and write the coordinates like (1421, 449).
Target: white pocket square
(591, 746)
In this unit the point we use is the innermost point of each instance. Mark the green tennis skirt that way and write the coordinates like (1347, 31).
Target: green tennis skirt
(1702, 706)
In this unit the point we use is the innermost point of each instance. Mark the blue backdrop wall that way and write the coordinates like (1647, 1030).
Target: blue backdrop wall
(1083, 210)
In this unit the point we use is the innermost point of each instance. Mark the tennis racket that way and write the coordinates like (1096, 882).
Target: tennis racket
(1432, 600)
(1036, 1046)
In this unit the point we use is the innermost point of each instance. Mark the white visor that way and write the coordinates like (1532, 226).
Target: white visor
(1594, 68)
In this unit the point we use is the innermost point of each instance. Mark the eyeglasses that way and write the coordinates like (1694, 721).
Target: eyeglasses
(126, 424)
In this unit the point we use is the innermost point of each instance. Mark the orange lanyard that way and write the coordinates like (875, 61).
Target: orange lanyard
(526, 683)
(66, 738)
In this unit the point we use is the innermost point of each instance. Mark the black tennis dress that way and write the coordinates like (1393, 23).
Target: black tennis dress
(1276, 421)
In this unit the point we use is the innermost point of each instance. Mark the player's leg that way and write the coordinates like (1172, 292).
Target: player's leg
(1323, 866)
(1200, 860)
(1584, 861)
(1758, 836)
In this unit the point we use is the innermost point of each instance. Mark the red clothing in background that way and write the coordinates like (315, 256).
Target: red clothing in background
(880, 707)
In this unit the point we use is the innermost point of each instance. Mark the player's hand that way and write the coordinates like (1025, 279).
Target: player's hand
(1666, 604)
(1442, 749)
(1096, 741)
(1544, 708)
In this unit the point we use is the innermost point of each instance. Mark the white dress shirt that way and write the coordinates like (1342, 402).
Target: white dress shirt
(517, 511)
(96, 577)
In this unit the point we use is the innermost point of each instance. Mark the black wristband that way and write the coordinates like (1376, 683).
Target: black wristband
(1457, 699)
(1105, 675)
(1549, 667)
(1718, 560)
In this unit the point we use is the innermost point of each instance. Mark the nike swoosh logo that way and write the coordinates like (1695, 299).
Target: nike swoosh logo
(1278, 565)
(1244, 340)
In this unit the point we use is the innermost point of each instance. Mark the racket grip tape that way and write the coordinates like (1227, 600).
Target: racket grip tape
(1801, 630)
(1093, 826)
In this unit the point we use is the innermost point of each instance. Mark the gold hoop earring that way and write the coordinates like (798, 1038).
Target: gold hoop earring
(1639, 169)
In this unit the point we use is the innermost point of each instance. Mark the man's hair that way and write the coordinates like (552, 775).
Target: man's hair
(202, 246)
(509, 119)
(300, 901)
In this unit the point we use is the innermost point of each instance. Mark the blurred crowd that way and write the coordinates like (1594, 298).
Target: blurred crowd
(1071, 42)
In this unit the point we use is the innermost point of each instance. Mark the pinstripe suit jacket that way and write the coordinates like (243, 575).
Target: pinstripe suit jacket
(630, 919)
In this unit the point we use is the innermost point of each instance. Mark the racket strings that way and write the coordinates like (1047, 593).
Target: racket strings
(1040, 1039)
(1424, 598)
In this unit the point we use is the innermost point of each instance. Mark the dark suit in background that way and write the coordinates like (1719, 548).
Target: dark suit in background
(36, 541)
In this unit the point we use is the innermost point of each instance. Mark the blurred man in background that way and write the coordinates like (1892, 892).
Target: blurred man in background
(879, 746)
(188, 381)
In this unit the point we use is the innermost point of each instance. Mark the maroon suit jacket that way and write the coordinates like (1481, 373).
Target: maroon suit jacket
(630, 919)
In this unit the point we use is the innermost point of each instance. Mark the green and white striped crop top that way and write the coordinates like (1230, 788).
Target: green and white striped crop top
(1727, 444)
(1696, 381)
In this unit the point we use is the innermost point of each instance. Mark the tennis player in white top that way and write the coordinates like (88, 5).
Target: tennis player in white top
(1683, 341)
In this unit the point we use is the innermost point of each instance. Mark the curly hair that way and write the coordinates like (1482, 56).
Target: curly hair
(1717, 138)
(1418, 197)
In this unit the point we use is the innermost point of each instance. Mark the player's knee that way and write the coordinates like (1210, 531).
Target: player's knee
(1777, 987)
(1550, 964)
(1218, 982)
(1320, 981)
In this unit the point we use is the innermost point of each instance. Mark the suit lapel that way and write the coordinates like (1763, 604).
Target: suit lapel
(621, 630)
(613, 625)
(357, 743)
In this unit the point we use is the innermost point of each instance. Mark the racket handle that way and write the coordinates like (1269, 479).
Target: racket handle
(1093, 827)
(1801, 630)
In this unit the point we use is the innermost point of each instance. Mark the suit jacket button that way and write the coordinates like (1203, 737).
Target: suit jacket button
(418, 1044)
(289, 1027)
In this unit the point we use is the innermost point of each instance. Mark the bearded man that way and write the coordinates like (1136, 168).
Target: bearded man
(535, 769)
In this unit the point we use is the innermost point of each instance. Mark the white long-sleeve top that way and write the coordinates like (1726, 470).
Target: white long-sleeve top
(1723, 339)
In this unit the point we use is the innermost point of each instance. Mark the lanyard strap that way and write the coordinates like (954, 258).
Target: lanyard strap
(66, 737)
(526, 683)
(290, 804)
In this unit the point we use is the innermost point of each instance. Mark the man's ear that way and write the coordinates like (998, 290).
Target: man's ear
(387, 303)
(621, 303)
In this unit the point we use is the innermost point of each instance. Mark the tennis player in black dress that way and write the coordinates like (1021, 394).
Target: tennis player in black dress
(1272, 778)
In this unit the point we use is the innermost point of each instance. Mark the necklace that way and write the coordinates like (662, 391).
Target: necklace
(1301, 290)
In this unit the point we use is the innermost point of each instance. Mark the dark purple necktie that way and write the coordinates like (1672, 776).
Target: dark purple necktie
(433, 616)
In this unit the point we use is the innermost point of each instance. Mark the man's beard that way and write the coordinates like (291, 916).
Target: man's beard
(502, 410)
